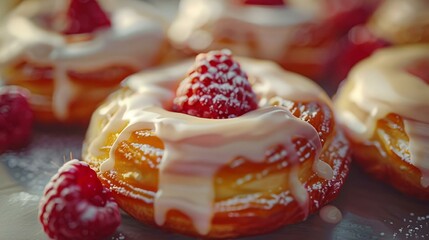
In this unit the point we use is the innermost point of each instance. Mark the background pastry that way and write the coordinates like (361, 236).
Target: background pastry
(299, 35)
(395, 22)
(72, 54)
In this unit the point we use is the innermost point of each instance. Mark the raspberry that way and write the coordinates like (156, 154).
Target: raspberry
(216, 88)
(266, 2)
(361, 43)
(75, 205)
(85, 16)
(16, 118)
(345, 14)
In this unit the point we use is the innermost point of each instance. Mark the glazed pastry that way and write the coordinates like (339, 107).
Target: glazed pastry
(299, 35)
(242, 148)
(242, 27)
(388, 26)
(71, 56)
(384, 106)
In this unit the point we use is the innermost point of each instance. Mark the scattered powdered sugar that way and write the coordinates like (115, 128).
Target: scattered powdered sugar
(119, 236)
(414, 226)
(34, 165)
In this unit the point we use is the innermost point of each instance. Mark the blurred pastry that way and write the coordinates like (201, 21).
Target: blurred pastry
(72, 54)
(395, 22)
(300, 35)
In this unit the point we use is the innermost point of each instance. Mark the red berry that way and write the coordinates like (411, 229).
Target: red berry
(85, 16)
(216, 88)
(420, 69)
(16, 118)
(75, 205)
(266, 2)
(344, 14)
(360, 44)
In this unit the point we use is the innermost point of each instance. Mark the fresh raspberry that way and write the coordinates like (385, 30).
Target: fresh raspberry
(75, 205)
(361, 43)
(345, 14)
(85, 16)
(420, 69)
(216, 88)
(266, 2)
(16, 118)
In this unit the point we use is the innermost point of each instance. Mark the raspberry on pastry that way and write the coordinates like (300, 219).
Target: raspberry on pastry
(72, 54)
(211, 173)
(16, 118)
(384, 107)
(75, 205)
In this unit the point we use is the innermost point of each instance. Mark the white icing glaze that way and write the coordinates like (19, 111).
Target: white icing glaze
(200, 24)
(134, 40)
(381, 85)
(330, 214)
(409, 25)
(195, 148)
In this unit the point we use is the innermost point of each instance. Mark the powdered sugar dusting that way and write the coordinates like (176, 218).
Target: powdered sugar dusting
(215, 87)
(34, 165)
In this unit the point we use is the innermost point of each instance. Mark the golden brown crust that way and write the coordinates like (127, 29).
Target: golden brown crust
(274, 206)
(385, 158)
(92, 89)
(252, 220)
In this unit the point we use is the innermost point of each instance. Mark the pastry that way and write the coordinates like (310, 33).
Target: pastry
(71, 56)
(243, 147)
(388, 26)
(384, 106)
(299, 35)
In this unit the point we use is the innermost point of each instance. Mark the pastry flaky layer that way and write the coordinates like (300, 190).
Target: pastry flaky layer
(219, 178)
(69, 75)
(384, 105)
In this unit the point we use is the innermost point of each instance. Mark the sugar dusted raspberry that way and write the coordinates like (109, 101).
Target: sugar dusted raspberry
(216, 88)
(85, 16)
(75, 205)
(266, 2)
(16, 118)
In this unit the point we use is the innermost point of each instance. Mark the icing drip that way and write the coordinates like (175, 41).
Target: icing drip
(132, 23)
(330, 214)
(195, 148)
(393, 90)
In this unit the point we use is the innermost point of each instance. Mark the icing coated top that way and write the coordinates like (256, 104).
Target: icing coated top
(134, 40)
(381, 85)
(200, 24)
(402, 21)
(196, 148)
